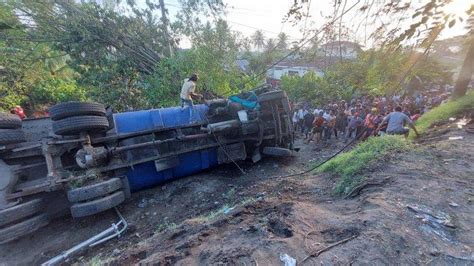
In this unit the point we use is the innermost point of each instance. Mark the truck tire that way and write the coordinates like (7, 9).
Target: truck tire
(69, 109)
(9, 121)
(20, 211)
(11, 136)
(271, 95)
(277, 151)
(18, 230)
(76, 124)
(94, 191)
(98, 205)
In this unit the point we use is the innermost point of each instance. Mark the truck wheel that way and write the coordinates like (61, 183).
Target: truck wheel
(11, 136)
(98, 205)
(277, 151)
(69, 109)
(9, 121)
(94, 191)
(20, 229)
(271, 95)
(76, 124)
(20, 211)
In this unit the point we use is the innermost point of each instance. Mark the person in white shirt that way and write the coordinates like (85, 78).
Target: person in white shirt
(295, 120)
(187, 92)
(301, 113)
(326, 116)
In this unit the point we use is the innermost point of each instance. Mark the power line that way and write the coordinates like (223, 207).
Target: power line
(260, 29)
(303, 42)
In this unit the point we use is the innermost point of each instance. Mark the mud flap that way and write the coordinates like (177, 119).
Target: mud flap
(256, 156)
(232, 152)
(277, 151)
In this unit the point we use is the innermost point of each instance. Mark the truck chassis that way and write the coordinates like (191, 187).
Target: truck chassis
(78, 162)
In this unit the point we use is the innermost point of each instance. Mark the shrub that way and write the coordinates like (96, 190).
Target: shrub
(444, 112)
(351, 164)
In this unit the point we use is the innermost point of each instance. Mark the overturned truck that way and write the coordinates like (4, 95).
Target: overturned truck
(85, 159)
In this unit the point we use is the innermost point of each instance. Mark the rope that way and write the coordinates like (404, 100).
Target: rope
(289, 175)
(325, 161)
(224, 150)
(304, 42)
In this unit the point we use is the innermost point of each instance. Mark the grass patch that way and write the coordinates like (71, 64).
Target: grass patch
(443, 112)
(223, 210)
(166, 225)
(98, 261)
(346, 185)
(351, 164)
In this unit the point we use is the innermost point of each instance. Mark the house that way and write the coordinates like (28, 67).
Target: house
(341, 49)
(292, 69)
(281, 69)
(242, 65)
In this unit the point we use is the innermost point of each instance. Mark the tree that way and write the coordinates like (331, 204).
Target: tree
(427, 22)
(282, 42)
(467, 69)
(213, 54)
(270, 45)
(111, 54)
(31, 74)
(258, 39)
(375, 72)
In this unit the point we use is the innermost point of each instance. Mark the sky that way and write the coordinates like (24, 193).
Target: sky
(247, 16)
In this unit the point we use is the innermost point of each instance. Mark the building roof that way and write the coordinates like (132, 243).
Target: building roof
(341, 43)
(296, 64)
(243, 64)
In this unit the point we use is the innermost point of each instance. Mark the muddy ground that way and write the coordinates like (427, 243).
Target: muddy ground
(417, 208)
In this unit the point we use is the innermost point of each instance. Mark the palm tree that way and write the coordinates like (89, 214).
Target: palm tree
(270, 44)
(282, 41)
(258, 39)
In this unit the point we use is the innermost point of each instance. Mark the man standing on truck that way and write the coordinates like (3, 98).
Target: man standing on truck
(187, 91)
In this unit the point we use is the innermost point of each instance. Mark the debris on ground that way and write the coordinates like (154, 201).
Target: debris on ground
(288, 260)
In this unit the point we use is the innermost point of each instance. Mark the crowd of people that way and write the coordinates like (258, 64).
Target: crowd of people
(362, 117)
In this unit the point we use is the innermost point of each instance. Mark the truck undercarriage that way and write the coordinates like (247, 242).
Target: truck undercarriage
(84, 159)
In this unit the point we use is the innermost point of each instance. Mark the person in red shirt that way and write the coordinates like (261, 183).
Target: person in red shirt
(317, 131)
(416, 115)
(19, 112)
(370, 123)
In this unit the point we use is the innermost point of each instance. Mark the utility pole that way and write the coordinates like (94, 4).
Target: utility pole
(165, 21)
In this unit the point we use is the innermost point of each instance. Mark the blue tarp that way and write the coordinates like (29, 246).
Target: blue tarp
(251, 102)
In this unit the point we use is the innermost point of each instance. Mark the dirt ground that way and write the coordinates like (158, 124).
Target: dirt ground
(417, 208)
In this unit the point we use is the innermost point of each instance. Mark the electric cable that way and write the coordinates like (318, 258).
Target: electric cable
(304, 42)
(325, 161)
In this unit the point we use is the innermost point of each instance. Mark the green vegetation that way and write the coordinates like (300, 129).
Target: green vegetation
(444, 112)
(99, 261)
(101, 53)
(126, 56)
(375, 72)
(223, 210)
(350, 165)
(166, 225)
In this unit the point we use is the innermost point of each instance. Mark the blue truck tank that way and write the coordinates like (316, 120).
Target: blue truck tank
(144, 175)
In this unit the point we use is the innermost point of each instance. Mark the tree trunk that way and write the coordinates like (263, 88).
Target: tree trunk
(466, 72)
(165, 20)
